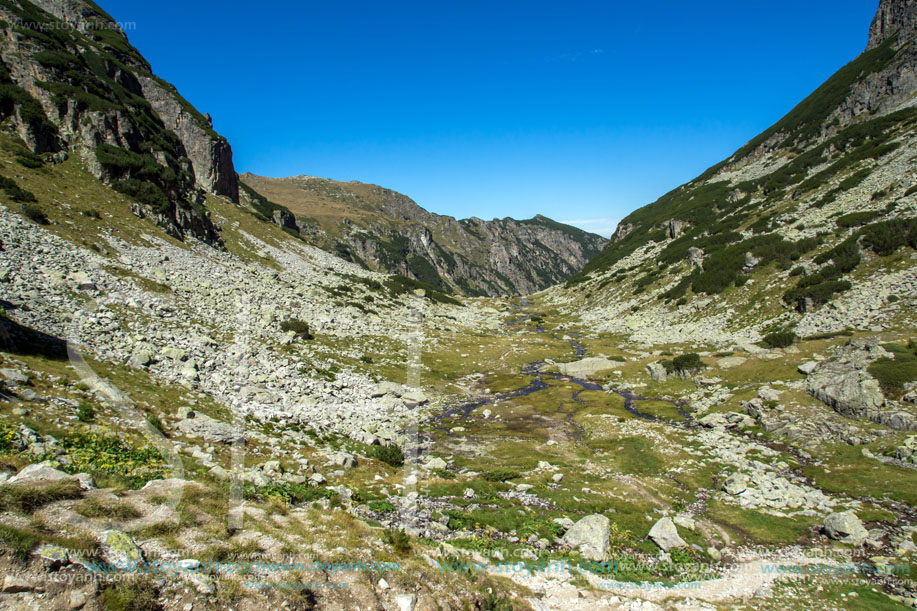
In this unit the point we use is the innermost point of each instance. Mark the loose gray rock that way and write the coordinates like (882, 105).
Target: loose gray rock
(665, 535)
(38, 473)
(846, 527)
(591, 537)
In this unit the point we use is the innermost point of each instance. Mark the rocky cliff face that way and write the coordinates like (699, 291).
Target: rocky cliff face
(893, 17)
(71, 83)
(387, 231)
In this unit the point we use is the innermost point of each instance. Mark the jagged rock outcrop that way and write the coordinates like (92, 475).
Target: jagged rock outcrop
(388, 231)
(210, 154)
(87, 91)
(844, 384)
(893, 17)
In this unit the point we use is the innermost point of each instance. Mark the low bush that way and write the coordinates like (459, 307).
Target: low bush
(390, 454)
(381, 506)
(779, 339)
(856, 219)
(500, 475)
(398, 539)
(85, 412)
(34, 213)
(299, 327)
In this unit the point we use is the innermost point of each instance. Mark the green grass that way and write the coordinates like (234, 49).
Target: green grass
(19, 541)
(138, 594)
(843, 470)
(893, 373)
(27, 498)
(95, 508)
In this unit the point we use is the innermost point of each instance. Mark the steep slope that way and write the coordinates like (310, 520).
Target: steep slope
(70, 82)
(387, 231)
(811, 225)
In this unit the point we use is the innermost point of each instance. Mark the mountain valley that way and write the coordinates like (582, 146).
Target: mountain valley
(235, 392)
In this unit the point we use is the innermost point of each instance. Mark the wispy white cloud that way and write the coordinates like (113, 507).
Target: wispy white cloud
(604, 227)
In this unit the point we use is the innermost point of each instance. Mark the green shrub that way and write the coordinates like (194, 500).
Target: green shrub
(111, 456)
(444, 473)
(398, 539)
(798, 271)
(687, 362)
(819, 294)
(156, 422)
(381, 506)
(299, 327)
(493, 601)
(500, 475)
(390, 454)
(681, 301)
(85, 412)
(34, 213)
(887, 237)
(91, 213)
(401, 285)
(856, 219)
(780, 339)
(31, 161)
(292, 494)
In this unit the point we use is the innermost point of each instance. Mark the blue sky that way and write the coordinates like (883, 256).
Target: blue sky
(581, 111)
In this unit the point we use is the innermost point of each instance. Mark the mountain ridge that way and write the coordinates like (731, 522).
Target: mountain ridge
(388, 231)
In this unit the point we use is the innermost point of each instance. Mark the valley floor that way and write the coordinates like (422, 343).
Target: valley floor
(192, 449)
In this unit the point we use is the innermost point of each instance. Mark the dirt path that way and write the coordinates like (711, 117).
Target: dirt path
(752, 577)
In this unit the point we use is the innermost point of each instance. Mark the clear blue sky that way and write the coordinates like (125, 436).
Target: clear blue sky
(582, 111)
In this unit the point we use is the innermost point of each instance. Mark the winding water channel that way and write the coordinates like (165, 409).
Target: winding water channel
(463, 409)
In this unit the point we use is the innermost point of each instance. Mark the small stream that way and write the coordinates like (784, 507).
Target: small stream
(631, 400)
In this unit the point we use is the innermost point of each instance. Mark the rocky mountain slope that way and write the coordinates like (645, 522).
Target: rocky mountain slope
(810, 226)
(389, 232)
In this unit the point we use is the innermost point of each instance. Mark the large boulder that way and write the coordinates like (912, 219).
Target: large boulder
(209, 429)
(735, 484)
(846, 527)
(657, 372)
(843, 383)
(38, 473)
(591, 537)
(665, 535)
(587, 367)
